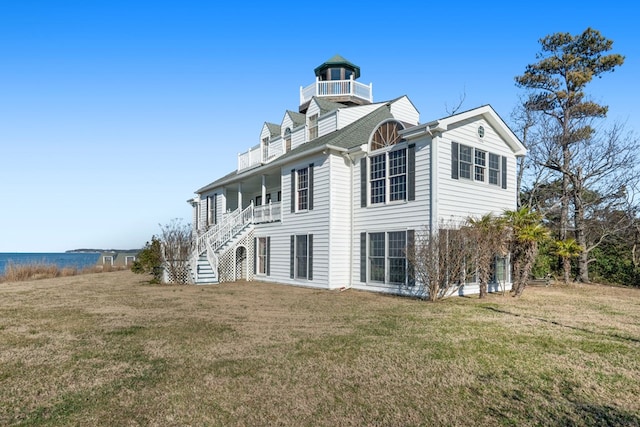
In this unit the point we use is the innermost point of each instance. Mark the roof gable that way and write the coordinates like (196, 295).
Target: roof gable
(486, 112)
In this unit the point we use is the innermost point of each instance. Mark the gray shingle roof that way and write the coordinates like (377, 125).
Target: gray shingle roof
(274, 129)
(352, 135)
(326, 106)
(298, 118)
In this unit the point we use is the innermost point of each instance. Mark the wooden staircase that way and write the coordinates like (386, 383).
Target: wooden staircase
(211, 246)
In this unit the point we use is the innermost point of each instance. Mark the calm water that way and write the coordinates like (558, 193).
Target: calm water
(62, 260)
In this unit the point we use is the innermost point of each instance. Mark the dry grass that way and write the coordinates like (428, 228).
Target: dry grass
(41, 270)
(108, 349)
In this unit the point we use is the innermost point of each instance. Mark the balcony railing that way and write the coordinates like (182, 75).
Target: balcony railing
(336, 88)
(267, 213)
(255, 156)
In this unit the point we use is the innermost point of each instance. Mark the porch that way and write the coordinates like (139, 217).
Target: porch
(261, 192)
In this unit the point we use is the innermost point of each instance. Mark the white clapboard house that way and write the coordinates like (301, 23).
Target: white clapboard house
(331, 196)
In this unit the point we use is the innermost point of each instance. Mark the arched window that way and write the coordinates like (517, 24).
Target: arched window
(386, 135)
(387, 179)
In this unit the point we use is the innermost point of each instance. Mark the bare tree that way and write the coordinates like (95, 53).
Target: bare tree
(454, 110)
(438, 260)
(177, 244)
(488, 237)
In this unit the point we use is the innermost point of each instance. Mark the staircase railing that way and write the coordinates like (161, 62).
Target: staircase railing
(234, 223)
(213, 239)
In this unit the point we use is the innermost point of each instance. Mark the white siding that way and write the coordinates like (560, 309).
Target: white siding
(340, 222)
(286, 123)
(462, 198)
(397, 216)
(404, 110)
(264, 133)
(347, 116)
(298, 136)
(315, 221)
(327, 123)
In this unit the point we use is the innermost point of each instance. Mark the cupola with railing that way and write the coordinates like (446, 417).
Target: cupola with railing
(336, 81)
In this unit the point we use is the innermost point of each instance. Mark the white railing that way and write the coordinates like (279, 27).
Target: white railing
(255, 155)
(267, 213)
(211, 241)
(212, 259)
(201, 242)
(250, 158)
(336, 88)
(230, 227)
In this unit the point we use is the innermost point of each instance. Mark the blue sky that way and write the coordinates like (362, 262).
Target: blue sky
(113, 113)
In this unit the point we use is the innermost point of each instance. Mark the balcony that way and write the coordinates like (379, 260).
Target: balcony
(270, 212)
(339, 90)
(259, 155)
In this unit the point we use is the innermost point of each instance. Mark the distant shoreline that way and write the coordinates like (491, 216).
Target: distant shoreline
(99, 251)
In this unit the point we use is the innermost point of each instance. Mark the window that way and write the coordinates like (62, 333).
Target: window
(313, 127)
(480, 165)
(376, 257)
(258, 201)
(397, 261)
(262, 255)
(388, 176)
(287, 140)
(378, 176)
(303, 189)
(301, 263)
(465, 161)
(397, 175)
(212, 208)
(386, 135)
(265, 149)
(386, 257)
(464, 157)
(494, 169)
(129, 259)
(107, 260)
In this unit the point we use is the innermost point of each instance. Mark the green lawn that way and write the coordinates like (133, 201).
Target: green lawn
(108, 349)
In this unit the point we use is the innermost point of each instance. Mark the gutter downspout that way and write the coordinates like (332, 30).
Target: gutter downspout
(432, 175)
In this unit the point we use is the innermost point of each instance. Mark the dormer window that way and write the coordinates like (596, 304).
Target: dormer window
(287, 140)
(313, 127)
(265, 149)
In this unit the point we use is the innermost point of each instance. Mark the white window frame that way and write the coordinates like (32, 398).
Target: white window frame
(475, 164)
(302, 189)
(261, 256)
(387, 177)
(390, 254)
(313, 127)
(494, 171)
(299, 258)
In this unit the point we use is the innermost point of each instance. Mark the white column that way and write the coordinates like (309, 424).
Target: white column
(264, 189)
(240, 195)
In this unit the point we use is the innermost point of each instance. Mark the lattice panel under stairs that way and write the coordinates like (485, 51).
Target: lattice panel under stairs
(181, 274)
(237, 262)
